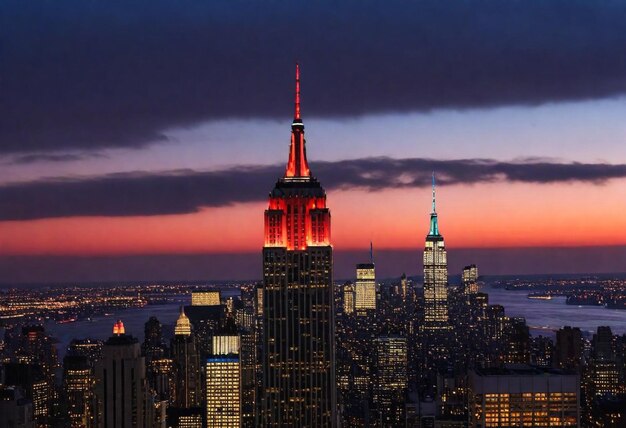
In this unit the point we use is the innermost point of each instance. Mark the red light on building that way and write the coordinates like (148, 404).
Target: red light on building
(297, 216)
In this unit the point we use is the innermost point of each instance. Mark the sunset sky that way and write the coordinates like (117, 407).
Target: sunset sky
(140, 140)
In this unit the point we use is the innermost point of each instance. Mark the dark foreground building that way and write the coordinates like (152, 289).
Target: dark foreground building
(298, 307)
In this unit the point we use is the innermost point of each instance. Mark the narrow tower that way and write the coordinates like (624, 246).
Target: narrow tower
(298, 307)
(435, 276)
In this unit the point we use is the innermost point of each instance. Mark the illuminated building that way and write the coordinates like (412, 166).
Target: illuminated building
(184, 418)
(187, 363)
(37, 372)
(89, 348)
(223, 391)
(390, 379)
(541, 351)
(225, 344)
(120, 384)
(516, 342)
(470, 279)
(205, 298)
(78, 387)
(404, 287)
(348, 298)
(365, 289)
(298, 386)
(521, 395)
(435, 277)
(259, 300)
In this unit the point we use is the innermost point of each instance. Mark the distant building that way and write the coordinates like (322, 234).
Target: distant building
(568, 349)
(348, 298)
(120, 385)
(78, 388)
(89, 348)
(435, 277)
(470, 279)
(404, 287)
(205, 298)
(187, 365)
(390, 379)
(521, 395)
(365, 289)
(516, 342)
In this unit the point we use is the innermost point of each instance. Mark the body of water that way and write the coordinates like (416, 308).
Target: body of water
(101, 327)
(547, 316)
(543, 316)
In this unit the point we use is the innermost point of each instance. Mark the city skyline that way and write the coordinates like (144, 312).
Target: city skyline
(527, 145)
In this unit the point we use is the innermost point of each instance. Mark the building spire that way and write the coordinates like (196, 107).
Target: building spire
(371, 252)
(297, 167)
(296, 117)
(434, 205)
(434, 224)
(183, 325)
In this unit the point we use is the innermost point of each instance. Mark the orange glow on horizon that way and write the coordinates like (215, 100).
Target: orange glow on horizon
(479, 216)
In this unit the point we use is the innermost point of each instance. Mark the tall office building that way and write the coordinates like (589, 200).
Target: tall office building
(568, 349)
(120, 384)
(365, 288)
(435, 276)
(348, 298)
(223, 391)
(390, 380)
(470, 279)
(223, 380)
(187, 364)
(404, 287)
(78, 388)
(298, 303)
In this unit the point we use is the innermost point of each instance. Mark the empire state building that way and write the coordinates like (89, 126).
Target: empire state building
(298, 388)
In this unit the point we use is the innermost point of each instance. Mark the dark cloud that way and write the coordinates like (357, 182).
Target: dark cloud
(87, 74)
(50, 157)
(185, 191)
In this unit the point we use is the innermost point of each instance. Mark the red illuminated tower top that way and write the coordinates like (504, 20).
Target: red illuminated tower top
(297, 167)
(297, 216)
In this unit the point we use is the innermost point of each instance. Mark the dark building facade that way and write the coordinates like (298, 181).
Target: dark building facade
(298, 386)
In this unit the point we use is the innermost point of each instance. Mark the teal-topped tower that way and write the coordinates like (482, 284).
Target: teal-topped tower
(435, 276)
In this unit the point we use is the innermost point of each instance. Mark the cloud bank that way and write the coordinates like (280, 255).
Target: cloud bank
(84, 75)
(187, 191)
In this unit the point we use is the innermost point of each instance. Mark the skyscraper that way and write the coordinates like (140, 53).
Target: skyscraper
(390, 379)
(223, 391)
(120, 385)
(298, 303)
(435, 276)
(187, 362)
(78, 387)
(348, 298)
(470, 279)
(365, 288)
